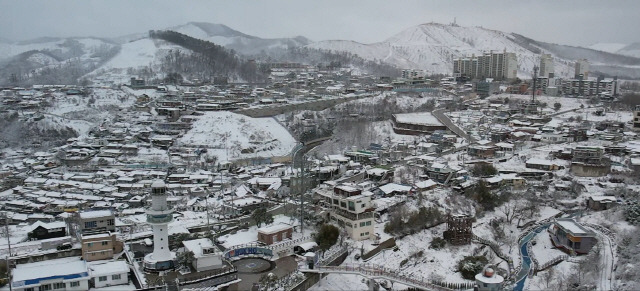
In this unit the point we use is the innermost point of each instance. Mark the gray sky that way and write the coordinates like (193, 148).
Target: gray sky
(574, 22)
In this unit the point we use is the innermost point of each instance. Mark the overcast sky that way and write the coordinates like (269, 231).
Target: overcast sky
(582, 22)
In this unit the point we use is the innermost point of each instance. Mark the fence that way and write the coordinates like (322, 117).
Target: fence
(389, 243)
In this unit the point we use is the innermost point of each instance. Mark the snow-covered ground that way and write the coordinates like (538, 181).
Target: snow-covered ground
(240, 136)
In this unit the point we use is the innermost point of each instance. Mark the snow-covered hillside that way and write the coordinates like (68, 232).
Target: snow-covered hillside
(632, 50)
(433, 47)
(232, 39)
(247, 137)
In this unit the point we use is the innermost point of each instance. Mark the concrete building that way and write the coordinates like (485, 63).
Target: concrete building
(416, 123)
(546, 66)
(353, 211)
(206, 255)
(275, 233)
(159, 215)
(496, 65)
(100, 246)
(109, 274)
(636, 118)
(582, 68)
(69, 274)
(582, 86)
(99, 221)
(589, 161)
(567, 234)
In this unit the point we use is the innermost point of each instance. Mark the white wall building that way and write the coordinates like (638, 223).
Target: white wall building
(109, 274)
(67, 274)
(582, 68)
(206, 255)
(546, 66)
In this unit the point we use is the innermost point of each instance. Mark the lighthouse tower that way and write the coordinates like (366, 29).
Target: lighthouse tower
(159, 215)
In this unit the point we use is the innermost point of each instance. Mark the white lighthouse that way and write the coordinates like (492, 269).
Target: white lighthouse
(159, 215)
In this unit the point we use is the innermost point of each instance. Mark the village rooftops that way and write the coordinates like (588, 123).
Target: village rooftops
(419, 118)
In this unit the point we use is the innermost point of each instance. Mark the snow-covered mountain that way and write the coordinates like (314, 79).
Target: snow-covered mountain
(632, 50)
(232, 39)
(433, 47)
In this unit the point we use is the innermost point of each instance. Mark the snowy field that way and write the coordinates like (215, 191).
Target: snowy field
(246, 137)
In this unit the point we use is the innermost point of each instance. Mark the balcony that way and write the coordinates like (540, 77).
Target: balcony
(161, 211)
(159, 218)
(352, 216)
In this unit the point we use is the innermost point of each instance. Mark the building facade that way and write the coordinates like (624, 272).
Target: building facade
(582, 68)
(567, 234)
(352, 211)
(99, 221)
(100, 246)
(546, 66)
(496, 65)
(274, 233)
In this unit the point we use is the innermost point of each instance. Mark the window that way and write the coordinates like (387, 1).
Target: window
(352, 206)
(59, 285)
(104, 243)
(368, 222)
(362, 224)
(74, 284)
(45, 287)
(102, 278)
(28, 289)
(90, 224)
(115, 277)
(89, 244)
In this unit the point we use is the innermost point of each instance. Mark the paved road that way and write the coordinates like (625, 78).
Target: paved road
(444, 119)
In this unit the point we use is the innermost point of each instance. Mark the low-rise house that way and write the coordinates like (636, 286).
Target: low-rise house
(42, 230)
(99, 221)
(601, 202)
(58, 274)
(100, 246)
(206, 255)
(109, 274)
(275, 233)
(567, 234)
(540, 164)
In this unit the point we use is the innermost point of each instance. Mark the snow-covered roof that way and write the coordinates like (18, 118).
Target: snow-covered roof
(421, 118)
(274, 228)
(392, 187)
(109, 268)
(95, 214)
(33, 273)
(196, 246)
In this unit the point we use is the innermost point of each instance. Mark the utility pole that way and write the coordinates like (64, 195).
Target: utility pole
(6, 228)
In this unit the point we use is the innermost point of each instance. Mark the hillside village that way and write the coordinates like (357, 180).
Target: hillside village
(324, 177)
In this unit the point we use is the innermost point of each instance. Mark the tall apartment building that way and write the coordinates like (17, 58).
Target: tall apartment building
(636, 118)
(352, 211)
(546, 66)
(499, 66)
(582, 68)
(584, 87)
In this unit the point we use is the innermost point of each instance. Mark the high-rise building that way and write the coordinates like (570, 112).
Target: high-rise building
(636, 118)
(499, 66)
(582, 68)
(546, 66)
(159, 215)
